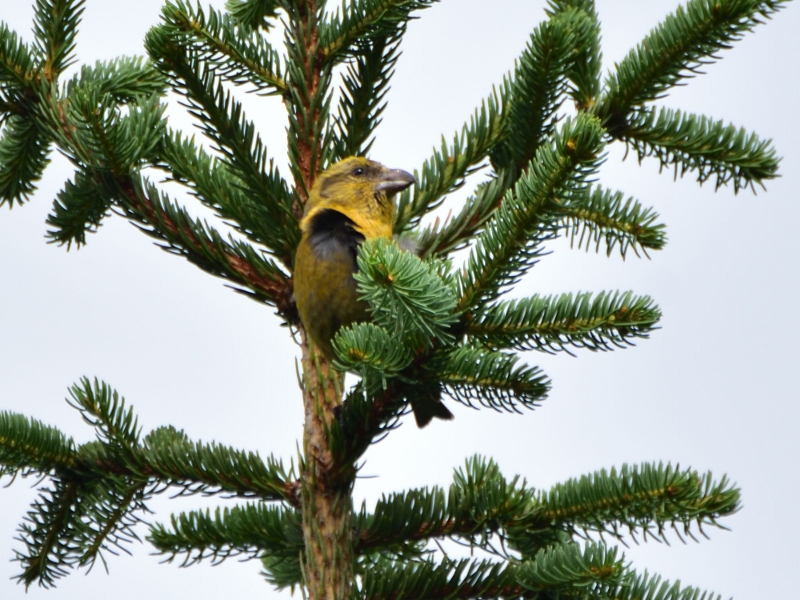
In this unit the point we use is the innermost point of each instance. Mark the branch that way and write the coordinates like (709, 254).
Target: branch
(553, 323)
(677, 48)
(687, 142)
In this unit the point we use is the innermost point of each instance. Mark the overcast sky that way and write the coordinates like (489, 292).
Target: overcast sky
(715, 388)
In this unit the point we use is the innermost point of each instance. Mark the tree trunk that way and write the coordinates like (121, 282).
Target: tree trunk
(326, 505)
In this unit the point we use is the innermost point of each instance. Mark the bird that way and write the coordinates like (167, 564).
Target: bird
(351, 201)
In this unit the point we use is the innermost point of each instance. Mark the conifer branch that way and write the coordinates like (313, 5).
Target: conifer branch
(652, 587)
(8, 107)
(203, 246)
(104, 409)
(363, 92)
(456, 232)
(308, 100)
(253, 15)
(363, 19)
(220, 41)
(568, 568)
(75, 520)
(80, 206)
(371, 352)
(599, 216)
(91, 505)
(584, 73)
(171, 458)
(17, 66)
(445, 171)
(686, 142)
(99, 488)
(48, 555)
(491, 379)
(216, 186)
(676, 49)
(554, 323)
(253, 530)
(411, 298)
(28, 445)
(223, 121)
(645, 499)
(92, 130)
(479, 503)
(24, 148)
(536, 91)
(125, 79)
(450, 579)
(91, 134)
(242, 530)
(510, 244)
(366, 415)
(56, 25)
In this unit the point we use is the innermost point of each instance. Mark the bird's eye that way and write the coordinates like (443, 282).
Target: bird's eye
(358, 171)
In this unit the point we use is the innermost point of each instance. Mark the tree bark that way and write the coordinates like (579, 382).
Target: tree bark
(326, 505)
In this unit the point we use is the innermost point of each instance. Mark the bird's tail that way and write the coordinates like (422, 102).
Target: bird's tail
(426, 402)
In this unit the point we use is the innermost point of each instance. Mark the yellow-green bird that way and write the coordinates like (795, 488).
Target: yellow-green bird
(350, 202)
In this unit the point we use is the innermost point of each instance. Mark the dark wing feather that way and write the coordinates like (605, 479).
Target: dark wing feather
(331, 232)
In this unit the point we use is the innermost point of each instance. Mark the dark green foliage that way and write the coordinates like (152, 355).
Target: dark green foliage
(364, 87)
(56, 25)
(215, 185)
(70, 523)
(584, 73)
(484, 510)
(253, 14)
(241, 57)
(361, 20)
(651, 587)
(125, 80)
(410, 297)
(370, 351)
(104, 409)
(643, 500)
(99, 489)
(16, 62)
(476, 376)
(676, 49)
(437, 330)
(23, 158)
(80, 207)
(235, 137)
(211, 468)
(599, 216)
(85, 512)
(29, 445)
(553, 323)
(455, 233)
(446, 170)
(180, 234)
(101, 135)
(250, 530)
(537, 91)
(568, 568)
(690, 143)
(448, 579)
(511, 243)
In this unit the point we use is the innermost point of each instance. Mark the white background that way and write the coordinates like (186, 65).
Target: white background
(715, 388)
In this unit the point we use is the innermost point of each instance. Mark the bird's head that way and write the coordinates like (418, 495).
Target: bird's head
(360, 189)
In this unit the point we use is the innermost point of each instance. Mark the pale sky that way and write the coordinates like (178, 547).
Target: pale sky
(714, 388)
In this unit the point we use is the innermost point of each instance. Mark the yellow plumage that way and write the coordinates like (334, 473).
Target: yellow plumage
(350, 202)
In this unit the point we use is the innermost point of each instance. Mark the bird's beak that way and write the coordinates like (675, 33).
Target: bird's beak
(394, 180)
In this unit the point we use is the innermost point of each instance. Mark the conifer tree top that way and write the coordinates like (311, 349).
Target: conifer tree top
(711, 390)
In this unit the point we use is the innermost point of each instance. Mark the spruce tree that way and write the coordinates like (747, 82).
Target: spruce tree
(441, 325)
